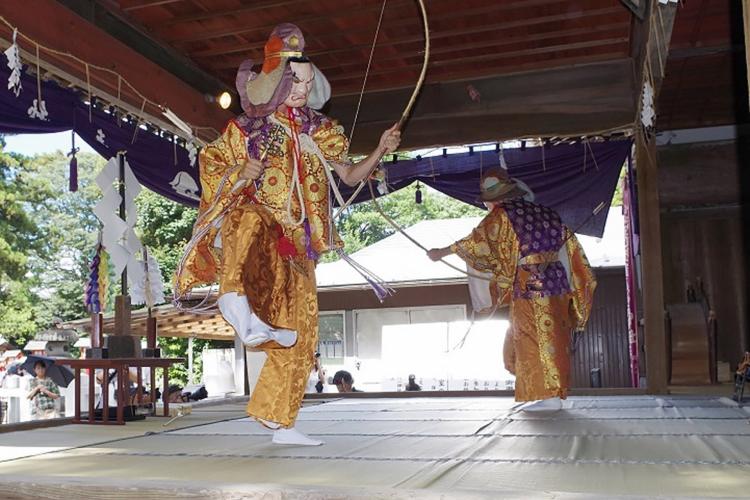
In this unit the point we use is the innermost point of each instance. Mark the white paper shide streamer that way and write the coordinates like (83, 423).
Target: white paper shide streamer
(648, 114)
(14, 63)
(150, 290)
(118, 235)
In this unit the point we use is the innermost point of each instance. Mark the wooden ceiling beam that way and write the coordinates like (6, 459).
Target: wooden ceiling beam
(515, 30)
(231, 12)
(149, 4)
(570, 101)
(137, 38)
(358, 63)
(497, 56)
(450, 16)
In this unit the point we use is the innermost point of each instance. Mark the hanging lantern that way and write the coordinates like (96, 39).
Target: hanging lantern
(418, 194)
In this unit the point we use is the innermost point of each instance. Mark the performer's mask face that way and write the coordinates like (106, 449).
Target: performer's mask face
(302, 84)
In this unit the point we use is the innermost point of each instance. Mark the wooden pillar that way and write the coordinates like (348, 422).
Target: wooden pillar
(651, 264)
(122, 315)
(650, 50)
(746, 25)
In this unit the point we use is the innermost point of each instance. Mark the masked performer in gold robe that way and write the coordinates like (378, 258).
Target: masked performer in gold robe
(265, 219)
(535, 265)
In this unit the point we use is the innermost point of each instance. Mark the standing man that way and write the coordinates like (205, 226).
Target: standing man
(265, 218)
(539, 269)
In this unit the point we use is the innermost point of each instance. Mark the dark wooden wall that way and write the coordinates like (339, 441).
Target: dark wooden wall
(707, 244)
(702, 235)
(604, 344)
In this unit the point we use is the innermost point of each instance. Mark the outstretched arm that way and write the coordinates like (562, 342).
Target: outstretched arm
(352, 174)
(439, 253)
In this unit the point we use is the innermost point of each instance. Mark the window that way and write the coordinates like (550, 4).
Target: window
(331, 335)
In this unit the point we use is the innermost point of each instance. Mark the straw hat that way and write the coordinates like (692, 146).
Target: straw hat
(497, 185)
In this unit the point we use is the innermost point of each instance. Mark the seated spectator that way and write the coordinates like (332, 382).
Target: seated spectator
(344, 381)
(412, 385)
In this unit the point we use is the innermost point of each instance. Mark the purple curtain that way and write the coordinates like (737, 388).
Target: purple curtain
(155, 160)
(571, 179)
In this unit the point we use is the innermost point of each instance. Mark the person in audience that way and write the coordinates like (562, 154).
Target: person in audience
(412, 385)
(43, 394)
(344, 381)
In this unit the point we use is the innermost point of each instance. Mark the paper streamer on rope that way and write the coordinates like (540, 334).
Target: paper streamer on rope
(648, 113)
(118, 236)
(14, 63)
(95, 298)
(150, 289)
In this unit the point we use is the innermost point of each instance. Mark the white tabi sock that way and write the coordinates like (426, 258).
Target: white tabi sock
(293, 437)
(249, 327)
(545, 405)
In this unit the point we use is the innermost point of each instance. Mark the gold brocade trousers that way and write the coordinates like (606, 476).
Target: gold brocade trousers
(540, 350)
(281, 293)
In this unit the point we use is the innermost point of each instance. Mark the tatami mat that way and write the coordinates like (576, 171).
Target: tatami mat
(412, 448)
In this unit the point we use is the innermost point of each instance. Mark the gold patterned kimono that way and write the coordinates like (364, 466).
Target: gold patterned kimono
(540, 270)
(260, 242)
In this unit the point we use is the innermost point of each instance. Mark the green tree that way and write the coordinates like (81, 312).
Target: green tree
(70, 231)
(22, 244)
(165, 228)
(361, 225)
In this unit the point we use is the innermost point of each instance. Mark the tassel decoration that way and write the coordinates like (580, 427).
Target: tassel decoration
(73, 179)
(311, 253)
(95, 298)
(73, 174)
(378, 285)
(286, 247)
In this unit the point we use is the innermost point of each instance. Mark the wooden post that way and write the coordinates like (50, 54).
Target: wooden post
(77, 418)
(151, 351)
(122, 301)
(95, 331)
(92, 394)
(123, 215)
(746, 25)
(151, 331)
(651, 264)
(165, 395)
(650, 49)
(190, 360)
(122, 315)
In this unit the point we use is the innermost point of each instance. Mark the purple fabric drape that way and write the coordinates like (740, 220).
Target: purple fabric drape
(571, 179)
(155, 161)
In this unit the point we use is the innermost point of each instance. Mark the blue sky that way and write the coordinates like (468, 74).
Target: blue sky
(31, 144)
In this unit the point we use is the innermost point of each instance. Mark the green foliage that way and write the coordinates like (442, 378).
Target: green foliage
(22, 246)
(70, 231)
(20, 237)
(617, 198)
(165, 228)
(362, 225)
